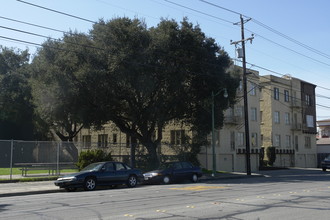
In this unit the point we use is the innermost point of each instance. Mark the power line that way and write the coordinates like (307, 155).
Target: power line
(59, 12)
(278, 33)
(35, 25)
(291, 39)
(39, 35)
(223, 8)
(212, 16)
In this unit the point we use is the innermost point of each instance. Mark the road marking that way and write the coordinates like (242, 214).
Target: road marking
(188, 206)
(128, 215)
(160, 210)
(199, 188)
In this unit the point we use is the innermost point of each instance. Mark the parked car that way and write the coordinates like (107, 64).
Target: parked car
(173, 171)
(325, 164)
(101, 174)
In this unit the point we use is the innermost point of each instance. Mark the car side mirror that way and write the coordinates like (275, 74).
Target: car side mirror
(103, 169)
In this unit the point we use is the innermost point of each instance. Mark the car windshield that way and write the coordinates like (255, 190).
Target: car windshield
(93, 166)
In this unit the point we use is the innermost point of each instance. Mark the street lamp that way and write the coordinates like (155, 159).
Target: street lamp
(225, 94)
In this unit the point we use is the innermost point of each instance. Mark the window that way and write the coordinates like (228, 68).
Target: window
(276, 93)
(232, 140)
(253, 88)
(239, 111)
(240, 139)
(277, 140)
(178, 137)
(287, 118)
(186, 165)
(114, 138)
(277, 117)
(253, 114)
(128, 141)
(288, 141)
(262, 140)
(261, 116)
(286, 96)
(307, 142)
(102, 140)
(310, 121)
(308, 100)
(86, 139)
(254, 139)
(120, 166)
(240, 87)
(296, 146)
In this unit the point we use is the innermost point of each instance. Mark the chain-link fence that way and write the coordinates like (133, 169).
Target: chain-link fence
(25, 158)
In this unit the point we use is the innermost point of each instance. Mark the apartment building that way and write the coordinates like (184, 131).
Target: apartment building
(288, 120)
(110, 138)
(281, 114)
(323, 140)
(230, 139)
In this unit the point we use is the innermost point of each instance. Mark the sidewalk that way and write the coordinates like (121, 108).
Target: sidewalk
(40, 187)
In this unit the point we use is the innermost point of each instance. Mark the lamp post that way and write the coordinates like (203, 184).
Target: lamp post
(225, 94)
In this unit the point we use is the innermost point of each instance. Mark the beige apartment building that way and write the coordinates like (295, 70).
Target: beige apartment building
(230, 139)
(288, 120)
(281, 114)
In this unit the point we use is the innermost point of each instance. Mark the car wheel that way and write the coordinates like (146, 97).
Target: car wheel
(71, 189)
(194, 178)
(166, 179)
(132, 181)
(324, 169)
(90, 184)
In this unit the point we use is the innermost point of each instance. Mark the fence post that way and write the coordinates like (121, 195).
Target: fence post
(58, 158)
(11, 159)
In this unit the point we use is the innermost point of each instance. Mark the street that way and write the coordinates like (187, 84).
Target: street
(281, 194)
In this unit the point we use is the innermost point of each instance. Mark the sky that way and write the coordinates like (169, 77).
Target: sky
(290, 36)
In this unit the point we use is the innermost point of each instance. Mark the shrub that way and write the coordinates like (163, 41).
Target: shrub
(92, 156)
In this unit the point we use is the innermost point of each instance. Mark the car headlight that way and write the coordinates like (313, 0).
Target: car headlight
(152, 174)
(71, 178)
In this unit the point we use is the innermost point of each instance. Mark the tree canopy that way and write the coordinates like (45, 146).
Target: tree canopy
(17, 119)
(140, 78)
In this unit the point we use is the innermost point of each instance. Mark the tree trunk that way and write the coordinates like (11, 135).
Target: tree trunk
(133, 149)
(152, 155)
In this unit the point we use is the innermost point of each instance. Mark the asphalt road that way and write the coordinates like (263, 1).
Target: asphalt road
(284, 194)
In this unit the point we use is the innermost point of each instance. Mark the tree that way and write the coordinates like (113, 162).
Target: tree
(60, 84)
(17, 115)
(157, 75)
(141, 79)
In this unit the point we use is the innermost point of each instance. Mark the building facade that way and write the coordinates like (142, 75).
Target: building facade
(230, 142)
(282, 114)
(323, 140)
(288, 113)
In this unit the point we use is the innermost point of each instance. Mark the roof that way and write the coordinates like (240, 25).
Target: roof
(323, 141)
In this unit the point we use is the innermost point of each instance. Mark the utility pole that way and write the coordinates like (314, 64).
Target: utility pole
(246, 112)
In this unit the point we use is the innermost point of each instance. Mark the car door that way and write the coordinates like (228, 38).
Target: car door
(187, 170)
(178, 172)
(121, 172)
(107, 174)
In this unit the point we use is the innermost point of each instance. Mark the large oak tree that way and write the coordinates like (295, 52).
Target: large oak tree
(139, 78)
(158, 75)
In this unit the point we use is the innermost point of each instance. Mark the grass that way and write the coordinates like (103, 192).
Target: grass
(17, 171)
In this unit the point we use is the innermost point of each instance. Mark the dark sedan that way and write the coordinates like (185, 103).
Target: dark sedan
(173, 171)
(325, 164)
(101, 174)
